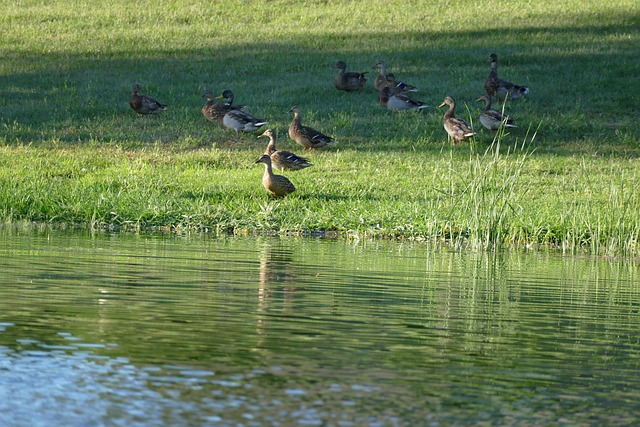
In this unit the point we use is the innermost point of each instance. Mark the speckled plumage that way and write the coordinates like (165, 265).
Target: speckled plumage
(458, 129)
(388, 80)
(281, 159)
(277, 185)
(215, 111)
(143, 104)
(348, 81)
(398, 101)
(501, 89)
(306, 136)
(493, 119)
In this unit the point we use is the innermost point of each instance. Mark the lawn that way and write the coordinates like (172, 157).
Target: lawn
(72, 152)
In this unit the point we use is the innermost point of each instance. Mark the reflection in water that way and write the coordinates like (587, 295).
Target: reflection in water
(139, 330)
(276, 272)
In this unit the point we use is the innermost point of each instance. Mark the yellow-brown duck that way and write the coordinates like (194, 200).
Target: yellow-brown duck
(348, 81)
(398, 101)
(277, 185)
(306, 136)
(143, 104)
(457, 128)
(283, 159)
(493, 119)
(499, 88)
(388, 80)
(215, 111)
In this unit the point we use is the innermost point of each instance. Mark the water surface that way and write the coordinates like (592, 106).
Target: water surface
(149, 330)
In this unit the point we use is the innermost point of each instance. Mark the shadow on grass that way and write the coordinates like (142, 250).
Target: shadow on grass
(326, 197)
(84, 97)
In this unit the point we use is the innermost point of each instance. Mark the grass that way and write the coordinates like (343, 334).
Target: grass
(74, 153)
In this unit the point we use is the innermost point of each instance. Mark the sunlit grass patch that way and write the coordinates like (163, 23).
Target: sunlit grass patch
(74, 152)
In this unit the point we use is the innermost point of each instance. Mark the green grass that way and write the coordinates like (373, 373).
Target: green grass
(74, 153)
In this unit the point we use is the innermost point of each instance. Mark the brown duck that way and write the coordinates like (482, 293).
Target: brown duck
(398, 101)
(493, 119)
(215, 111)
(458, 129)
(499, 88)
(277, 185)
(388, 80)
(348, 81)
(143, 104)
(306, 136)
(283, 159)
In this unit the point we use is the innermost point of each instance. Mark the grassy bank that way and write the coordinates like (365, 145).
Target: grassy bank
(74, 153)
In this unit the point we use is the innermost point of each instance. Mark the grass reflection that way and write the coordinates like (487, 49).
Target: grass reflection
(308, 320)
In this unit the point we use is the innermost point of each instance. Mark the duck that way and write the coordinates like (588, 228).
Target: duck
(493, 119)
(398, 101)
(277, 185)
(457, 128)
(383, 79)
(306, 136)
(348, 81)
(283, 159)
(214, 111)
(502, 89)
(241, 121)
(143, 104)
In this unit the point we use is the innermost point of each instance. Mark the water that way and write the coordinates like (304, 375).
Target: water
(165, 330)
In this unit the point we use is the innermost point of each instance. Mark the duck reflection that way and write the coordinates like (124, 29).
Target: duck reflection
(276, 274)
(276, 271)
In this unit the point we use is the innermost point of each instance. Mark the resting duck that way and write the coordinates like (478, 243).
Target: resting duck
(306, 136)
(501, 89)
(215, 111)
(398, 101)
(493, 119)
(240, 121)
(388, 80)
(458, 129)
(283, 159)
(277, 185)
(143, 104)
(348, 81)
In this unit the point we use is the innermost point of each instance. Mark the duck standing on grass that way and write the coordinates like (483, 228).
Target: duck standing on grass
(388, 80)
(214, 111)
(348, 81)
(283, 159)
(458, 129)
(143, 104)
(493, 119)
(306, 136)
(398, 101)
(277, 185)
(499, 88)
(240, 121)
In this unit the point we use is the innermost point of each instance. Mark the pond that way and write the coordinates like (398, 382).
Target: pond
(128, 329)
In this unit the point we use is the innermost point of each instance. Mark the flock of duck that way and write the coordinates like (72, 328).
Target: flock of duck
(393, 95)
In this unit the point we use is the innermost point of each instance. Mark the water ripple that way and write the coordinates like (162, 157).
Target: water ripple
(163, 330)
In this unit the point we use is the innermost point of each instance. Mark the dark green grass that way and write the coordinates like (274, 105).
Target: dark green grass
(75, 153)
